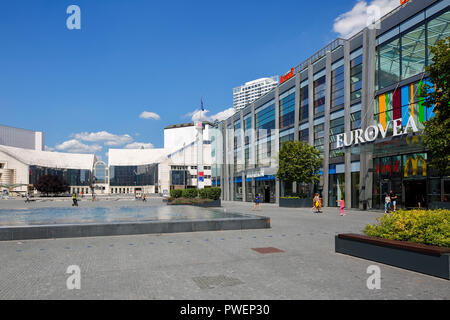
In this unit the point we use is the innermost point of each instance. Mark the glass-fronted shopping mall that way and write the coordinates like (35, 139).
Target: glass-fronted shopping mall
(357, 101)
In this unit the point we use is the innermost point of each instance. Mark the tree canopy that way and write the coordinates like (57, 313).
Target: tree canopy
(52, 184)
(298, 162)
(437, 95)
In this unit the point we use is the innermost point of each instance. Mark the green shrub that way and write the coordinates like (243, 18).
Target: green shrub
(176, 193)
(190, 193)
(203, 193)
(214, 193)
(430, 227)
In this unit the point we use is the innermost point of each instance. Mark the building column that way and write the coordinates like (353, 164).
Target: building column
(347, 128)
(226, 174)
(230, 149)
(242, 160)
(368, 89)
(311, 112)
(326, 149)
(252, 161)
(296, 116)
(277, 141)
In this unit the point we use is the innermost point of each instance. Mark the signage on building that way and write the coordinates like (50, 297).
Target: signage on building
(372, 132)
(255, 173)
(402, 2)
(415, 163)
(388, 168)
(287, 76)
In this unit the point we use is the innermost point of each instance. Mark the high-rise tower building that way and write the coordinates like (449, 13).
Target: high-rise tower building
(252, 90)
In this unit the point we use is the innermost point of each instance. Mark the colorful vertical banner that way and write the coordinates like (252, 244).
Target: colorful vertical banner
(397, 104)
(421, 106)
(411, 100)
(382, 106)
(405, 105)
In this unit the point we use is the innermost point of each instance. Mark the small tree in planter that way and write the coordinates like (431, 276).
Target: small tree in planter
(298, 162)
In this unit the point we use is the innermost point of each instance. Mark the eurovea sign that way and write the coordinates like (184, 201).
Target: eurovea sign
(402, 2)
(373, 132)
(287, 76)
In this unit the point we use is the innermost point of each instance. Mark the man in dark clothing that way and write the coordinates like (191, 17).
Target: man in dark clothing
(393, 200)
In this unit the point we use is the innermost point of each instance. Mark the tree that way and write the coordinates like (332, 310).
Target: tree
(436, 95)
(298, 162)
(52, 184)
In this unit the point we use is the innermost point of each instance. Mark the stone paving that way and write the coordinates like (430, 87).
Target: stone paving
(208, 265)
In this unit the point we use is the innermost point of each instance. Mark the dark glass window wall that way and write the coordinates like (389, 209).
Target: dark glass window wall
(73, 177)
(134, 175)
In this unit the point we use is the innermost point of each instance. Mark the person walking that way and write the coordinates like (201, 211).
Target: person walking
(28, 198)
(257, 202)
(144, 198)
(387, 203)
(393, 197)
(316, 203)
(341, 206)
(75, 201)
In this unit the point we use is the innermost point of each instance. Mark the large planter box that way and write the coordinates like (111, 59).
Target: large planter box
(214, 203)
(439, 205)
(431, 260)
(296, 203)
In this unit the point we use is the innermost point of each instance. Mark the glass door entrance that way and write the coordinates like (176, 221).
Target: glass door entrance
(415, 193)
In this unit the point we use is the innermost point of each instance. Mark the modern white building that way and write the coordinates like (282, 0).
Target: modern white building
(21, 138)
(129, 171)
(21, 168)
(160, 170)
(250, 91)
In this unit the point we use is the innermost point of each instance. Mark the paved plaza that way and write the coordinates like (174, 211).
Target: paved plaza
(208, 265)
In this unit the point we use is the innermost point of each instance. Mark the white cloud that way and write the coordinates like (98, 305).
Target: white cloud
(149, 115)
(139, 145)
(75, 146)
(107, 138)
(225, 114)
(353, 21)
(199, 115)
(47, 148)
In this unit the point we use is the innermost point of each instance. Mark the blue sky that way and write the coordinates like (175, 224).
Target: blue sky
(91, 85)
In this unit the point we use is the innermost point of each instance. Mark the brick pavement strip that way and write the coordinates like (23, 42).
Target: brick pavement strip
(209, 265)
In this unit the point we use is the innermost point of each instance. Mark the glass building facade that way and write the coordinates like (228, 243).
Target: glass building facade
(371, 79)
(78, 180)
(133, 176)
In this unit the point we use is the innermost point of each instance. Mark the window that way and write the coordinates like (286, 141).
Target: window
(388, 64)
(265, 124)
(438, 29)
(413, 52)
(303, 135)
(337, 126)
(319, 95)
(356, 78)
(355, 120)
(337, 87)
(407, 54)
(319, 133)
(237, 146)
(287, 109)
(304, 105)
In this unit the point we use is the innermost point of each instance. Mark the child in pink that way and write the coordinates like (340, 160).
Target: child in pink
(342, 208)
